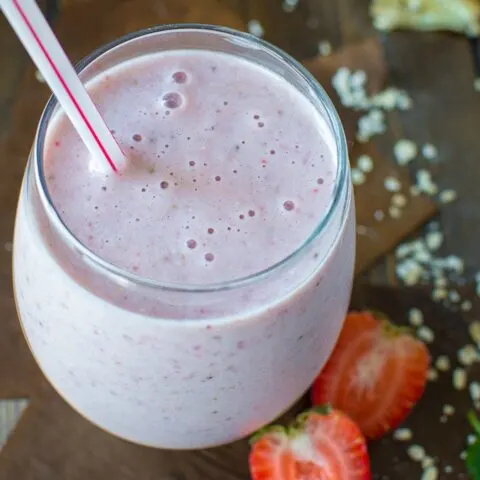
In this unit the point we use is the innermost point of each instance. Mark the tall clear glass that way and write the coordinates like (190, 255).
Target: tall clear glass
(182, 366)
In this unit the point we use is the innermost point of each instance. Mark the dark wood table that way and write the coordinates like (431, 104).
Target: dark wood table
(51, 442)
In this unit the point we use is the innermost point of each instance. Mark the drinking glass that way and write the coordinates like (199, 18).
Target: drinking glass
(182, 366)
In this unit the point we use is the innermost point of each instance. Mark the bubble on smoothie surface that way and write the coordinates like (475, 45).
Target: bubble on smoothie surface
(164, 185)
(172, 100)
(137, 137)
(179, 77)
(288, 205)
(191, 243)
(209, 257)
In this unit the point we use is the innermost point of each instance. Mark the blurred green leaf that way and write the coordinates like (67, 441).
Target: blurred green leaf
(473, 452)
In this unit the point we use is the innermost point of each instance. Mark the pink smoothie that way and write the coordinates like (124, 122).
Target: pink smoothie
(231, 170)
(224, 178)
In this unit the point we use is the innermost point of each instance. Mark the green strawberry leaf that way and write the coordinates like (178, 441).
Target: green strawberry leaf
(473, 452)
(473, 460)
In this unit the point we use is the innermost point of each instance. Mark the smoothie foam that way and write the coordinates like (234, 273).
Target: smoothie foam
(224, 179)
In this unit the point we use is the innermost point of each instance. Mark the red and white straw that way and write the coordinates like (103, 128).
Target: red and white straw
(43, 47)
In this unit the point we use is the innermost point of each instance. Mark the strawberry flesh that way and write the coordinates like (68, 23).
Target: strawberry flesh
(323, 444)
(375, 375)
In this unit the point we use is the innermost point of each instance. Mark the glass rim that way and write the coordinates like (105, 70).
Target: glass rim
(341, 179)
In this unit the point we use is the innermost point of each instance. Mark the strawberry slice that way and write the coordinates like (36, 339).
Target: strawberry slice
(376, 374)
(323, 444)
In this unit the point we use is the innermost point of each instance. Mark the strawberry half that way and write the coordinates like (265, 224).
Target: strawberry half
(323, 444)
(376, 374)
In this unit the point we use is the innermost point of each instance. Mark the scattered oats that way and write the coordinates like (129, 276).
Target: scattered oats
(448, 410)
(476, 85)
(379, 215)
(392, 184)
(403, 250)
(463, 455)
(423, 255)
(370, 124)
(471, 439)
(405, 151)
(414, 191)
(434, 240)
(467, 355)
(427, 462)
(362, 230)
(402, 434)
(417, 250)
(447, 196)
(404, 102)
(454, 296)
(365, 163)
(358, 79)
(440, 282)
(426, 334)
(351, 88)
(452, 262)
(466, 306)
(8, 246)
(255, 28)
(386, 99)
(358, 177)
(429, 151)
(324, 48)
(39, 76)
(430, 473)
(394, 212)
(340, 82)
(289, 5)
(439, 293)
(459, 379)
(474, 330)
(416, 452)
(391, 98)
(415, 317)
(399, 200)
(448, 469)
(432, 374)
(474, 389)
(425, 183)
(443, 363)
(409, 271)
(353, 96)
